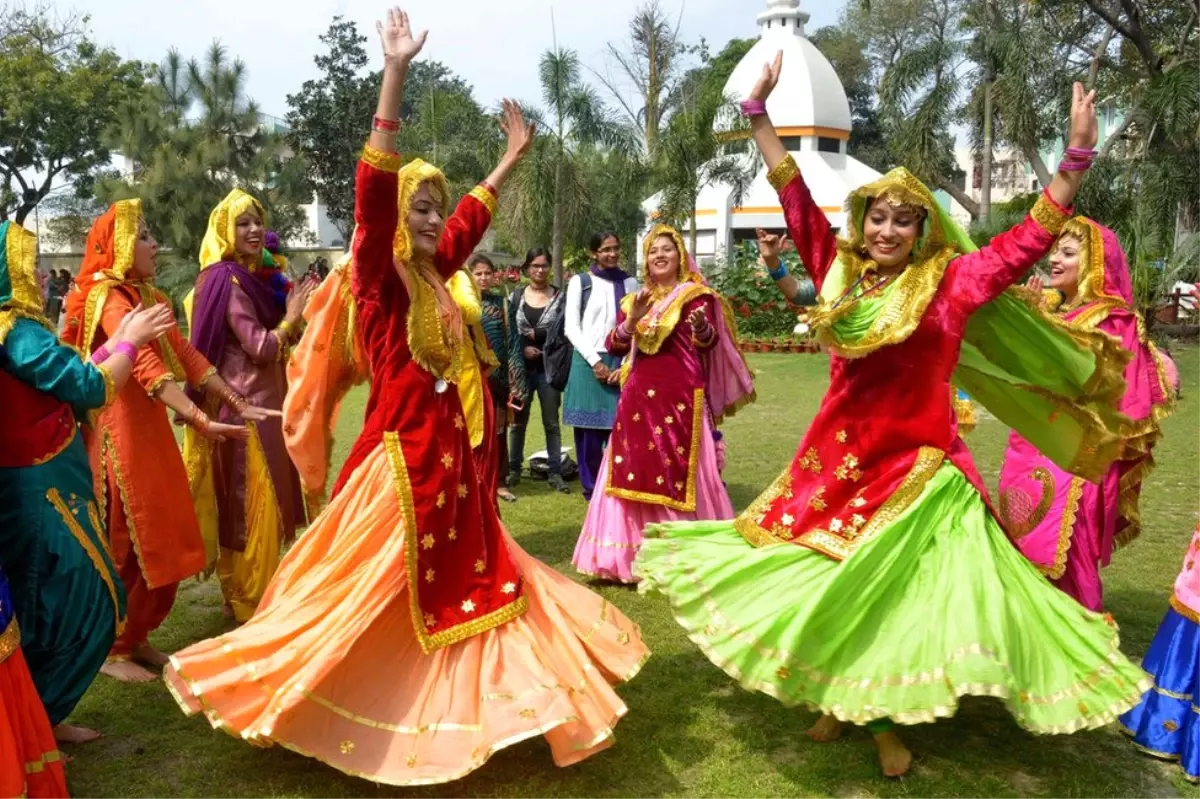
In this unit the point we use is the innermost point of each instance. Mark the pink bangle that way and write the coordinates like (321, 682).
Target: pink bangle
(126, 349)
(1074, 166)
(101, 354)
(753, 108)
(1080, 154)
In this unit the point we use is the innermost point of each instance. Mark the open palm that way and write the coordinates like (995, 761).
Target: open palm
(396, 36)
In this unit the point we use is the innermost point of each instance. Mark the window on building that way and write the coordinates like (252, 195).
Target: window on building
(828, 144)
(791, 143)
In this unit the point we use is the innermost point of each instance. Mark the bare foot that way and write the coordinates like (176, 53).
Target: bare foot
(74, 734)
(827, 729)
(894, 757)
(150, 656)
(127, 671)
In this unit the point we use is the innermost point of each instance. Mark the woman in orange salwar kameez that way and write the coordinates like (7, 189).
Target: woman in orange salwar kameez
(141, 482)
(406, 637)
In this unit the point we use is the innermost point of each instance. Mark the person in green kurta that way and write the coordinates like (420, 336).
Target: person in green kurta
(66, 593)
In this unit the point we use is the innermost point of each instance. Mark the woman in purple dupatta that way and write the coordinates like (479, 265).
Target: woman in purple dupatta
(243, 316)
(1067, 526)
(684, 374)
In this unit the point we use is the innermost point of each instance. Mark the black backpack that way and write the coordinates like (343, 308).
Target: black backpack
(558, 352)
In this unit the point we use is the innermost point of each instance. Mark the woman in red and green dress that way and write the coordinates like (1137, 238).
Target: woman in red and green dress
(872, 580)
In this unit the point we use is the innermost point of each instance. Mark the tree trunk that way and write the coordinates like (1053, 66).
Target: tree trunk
(556, 233)
(960, 196)
(692, 233)
(1039, 166)
(985, 160)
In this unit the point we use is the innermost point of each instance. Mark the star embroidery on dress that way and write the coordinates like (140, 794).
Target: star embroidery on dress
(441, 499)
(468, 606)
(857, 502)
(680, 450)
(817, 501)
(427, 541)
(459, 422)
(480, 566)
(660, 480)
(629, 477)
(622, 637)
(430, 620)
(462, 490)
(670, 420)
(840, 436)
(429, 575)
(835, 525)
(347, 746)
(657, 430)
(447, 460)
(681, 407)
(652, 446)
(618, 460)
(650, 393)
(508, 588)
(857, 520)
(788, 519)
(452, 534)
(811, 461)
(678, 485)
(637, 417)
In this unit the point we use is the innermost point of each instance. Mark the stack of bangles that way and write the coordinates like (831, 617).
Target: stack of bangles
(234, 401)
(1077, 159)
(385, 125)
(778, 273)
(753, 108)
(704, 335)
(623, 332)
(284, 331)
(197, 418)
(103, 353)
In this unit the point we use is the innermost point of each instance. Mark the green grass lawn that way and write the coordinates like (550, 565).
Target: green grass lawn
(690, 730)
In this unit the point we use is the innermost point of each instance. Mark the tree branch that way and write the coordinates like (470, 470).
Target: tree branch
(960, 196)
(1097, 55)
(1116, 135)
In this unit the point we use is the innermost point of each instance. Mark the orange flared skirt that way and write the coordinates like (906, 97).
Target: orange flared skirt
(330, 665)
(30, 764)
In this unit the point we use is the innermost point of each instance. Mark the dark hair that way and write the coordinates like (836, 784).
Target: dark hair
(479, 258)
(597, 240)
(536, 252)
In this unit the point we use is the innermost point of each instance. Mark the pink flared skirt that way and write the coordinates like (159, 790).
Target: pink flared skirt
(612, 529)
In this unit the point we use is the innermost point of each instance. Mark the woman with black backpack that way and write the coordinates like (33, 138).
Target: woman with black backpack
(535, 324)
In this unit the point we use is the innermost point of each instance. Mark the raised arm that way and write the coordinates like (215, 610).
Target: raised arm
(981, 276)
(806, 222)
(470, 220)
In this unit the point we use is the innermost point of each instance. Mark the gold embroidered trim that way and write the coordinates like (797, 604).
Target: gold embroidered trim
(385, 162)
(451, 635)
(1169, 756)
(655, 327)
(209, 374)
(56, 500)
(108, 454)
(10, 639)
(486, 198)
(21, 250)
(1015, 530)
(748, 524)
(57, 450)
(125, 231)
(110, 385)
(156, 385)
(1066, 529)
(1047, 214)
(39, 765)
(783, 173)
(689, 502)
(1184, 610)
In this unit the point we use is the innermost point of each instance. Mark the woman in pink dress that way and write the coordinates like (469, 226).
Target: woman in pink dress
(1066, 525)
(684, 374)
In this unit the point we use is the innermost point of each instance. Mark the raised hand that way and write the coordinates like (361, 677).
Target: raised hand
(1085, 130)
(641, 306)
(298, 299)
(396, 36)
(770, 244)
(518, 132)
(766, 82)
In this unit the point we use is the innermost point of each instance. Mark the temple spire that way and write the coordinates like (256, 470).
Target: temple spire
(782, 15)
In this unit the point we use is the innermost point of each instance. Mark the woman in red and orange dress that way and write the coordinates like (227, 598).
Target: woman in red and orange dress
(406, 637)
(141, 482)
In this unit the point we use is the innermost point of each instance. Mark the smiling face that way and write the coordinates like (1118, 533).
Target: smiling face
(426, 220)
(890, 232)
(1064, 265)
(145, 251)
(609, 254)
(248, 240)
(662, 260)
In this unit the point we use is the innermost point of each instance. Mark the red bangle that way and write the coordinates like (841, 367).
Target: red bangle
(385, 125)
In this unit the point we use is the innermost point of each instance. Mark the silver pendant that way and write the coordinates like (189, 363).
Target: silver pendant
(440, 386)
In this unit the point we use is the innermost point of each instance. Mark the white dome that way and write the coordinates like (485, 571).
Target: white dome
(809, 93)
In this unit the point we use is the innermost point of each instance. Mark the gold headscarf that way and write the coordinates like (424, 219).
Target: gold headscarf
(434, 323)
(684, 274)
(1090, 280)
(21, 298)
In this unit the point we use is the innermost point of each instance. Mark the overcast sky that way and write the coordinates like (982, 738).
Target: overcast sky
(493, 44)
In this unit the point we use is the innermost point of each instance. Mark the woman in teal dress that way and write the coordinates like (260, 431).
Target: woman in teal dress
(67, 596)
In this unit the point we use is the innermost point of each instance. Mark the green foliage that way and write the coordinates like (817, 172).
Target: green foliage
(846, 49)
(59, 91)
(328, 117)
(191, 136)
(760, 310)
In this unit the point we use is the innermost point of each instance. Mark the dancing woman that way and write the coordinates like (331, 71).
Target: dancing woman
(244, 315)
(685, 375)
(65, 589)
(138, 471)
(1066, 525)
(815, 594)
(406, 637)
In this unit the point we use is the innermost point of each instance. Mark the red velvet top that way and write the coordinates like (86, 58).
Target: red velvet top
(886, 423)
(462, 579)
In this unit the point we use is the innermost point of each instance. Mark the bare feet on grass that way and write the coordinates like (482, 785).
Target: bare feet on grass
(894, 757)
(827, 729)
(150, 656)
(74, 734)
(127, 671)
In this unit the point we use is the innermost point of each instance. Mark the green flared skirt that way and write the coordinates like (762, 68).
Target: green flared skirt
(936, 606)
(67, 594)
